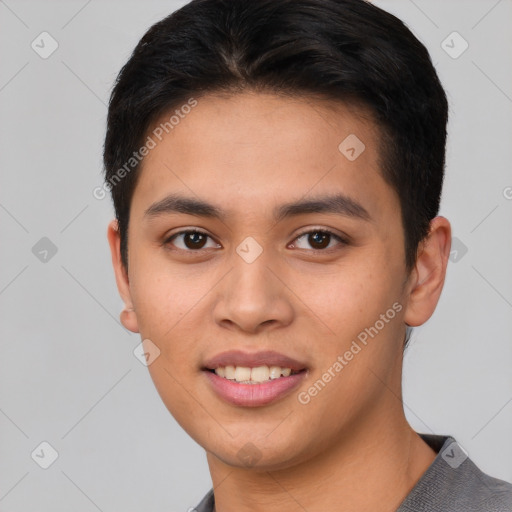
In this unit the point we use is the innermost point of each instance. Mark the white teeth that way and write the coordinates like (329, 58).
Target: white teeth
(229, 372)
(242, 373)
(260, 374)
(252, 375)
(275, 372)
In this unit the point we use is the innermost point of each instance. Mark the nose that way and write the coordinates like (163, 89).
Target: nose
(254, 297)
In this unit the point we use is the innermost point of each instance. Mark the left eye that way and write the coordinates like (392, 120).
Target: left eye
(193, 240)
(319, 239)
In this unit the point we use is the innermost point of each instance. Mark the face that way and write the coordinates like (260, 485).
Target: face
(293, 263)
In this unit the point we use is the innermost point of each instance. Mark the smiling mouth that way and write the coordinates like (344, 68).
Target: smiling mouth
(255, 379)
(254, 375)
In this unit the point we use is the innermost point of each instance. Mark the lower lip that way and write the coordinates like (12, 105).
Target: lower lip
(254, 395)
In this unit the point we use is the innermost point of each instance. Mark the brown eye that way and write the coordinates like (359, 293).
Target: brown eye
(190, 240)
(318, 240)
(194, 240)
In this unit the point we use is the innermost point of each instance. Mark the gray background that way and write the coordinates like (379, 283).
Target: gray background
(67, 370)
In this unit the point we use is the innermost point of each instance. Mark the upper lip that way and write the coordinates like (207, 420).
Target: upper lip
(253, 360)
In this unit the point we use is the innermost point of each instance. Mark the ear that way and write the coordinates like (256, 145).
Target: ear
(427, 277)
(128, 316)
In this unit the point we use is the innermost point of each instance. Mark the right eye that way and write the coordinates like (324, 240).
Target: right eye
(190, 240)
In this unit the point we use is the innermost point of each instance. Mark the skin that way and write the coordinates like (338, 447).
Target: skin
(350, 447)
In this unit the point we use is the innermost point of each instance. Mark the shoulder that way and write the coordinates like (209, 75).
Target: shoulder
(453, 483)
(206, 504)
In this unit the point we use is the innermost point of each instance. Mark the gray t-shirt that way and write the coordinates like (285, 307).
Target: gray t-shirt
(452, 483)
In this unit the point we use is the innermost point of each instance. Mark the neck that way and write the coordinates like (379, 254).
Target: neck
(372, 468)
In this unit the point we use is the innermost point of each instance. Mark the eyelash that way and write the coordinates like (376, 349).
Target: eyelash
(342, 241)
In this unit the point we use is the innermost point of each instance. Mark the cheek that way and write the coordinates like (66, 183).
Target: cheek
(358, 313)
(167, 314)
(172, 384)
(166, 303)
(348, 299)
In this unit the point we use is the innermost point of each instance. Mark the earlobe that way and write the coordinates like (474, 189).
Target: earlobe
(427, 278)
(128, 316)
(129, 319)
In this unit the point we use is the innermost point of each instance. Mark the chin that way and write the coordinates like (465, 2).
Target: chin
(257, 455)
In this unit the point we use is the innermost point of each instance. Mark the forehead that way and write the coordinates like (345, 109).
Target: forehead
(250, 149)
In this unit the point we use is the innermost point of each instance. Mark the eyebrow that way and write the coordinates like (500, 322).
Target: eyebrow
(339, 204)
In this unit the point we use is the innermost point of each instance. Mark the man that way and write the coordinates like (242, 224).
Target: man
(276, 169)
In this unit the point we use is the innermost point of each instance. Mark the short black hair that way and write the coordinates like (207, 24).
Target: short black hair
(343, 50)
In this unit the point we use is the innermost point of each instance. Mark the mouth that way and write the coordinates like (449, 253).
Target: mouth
(255, 375)
(253, 380)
